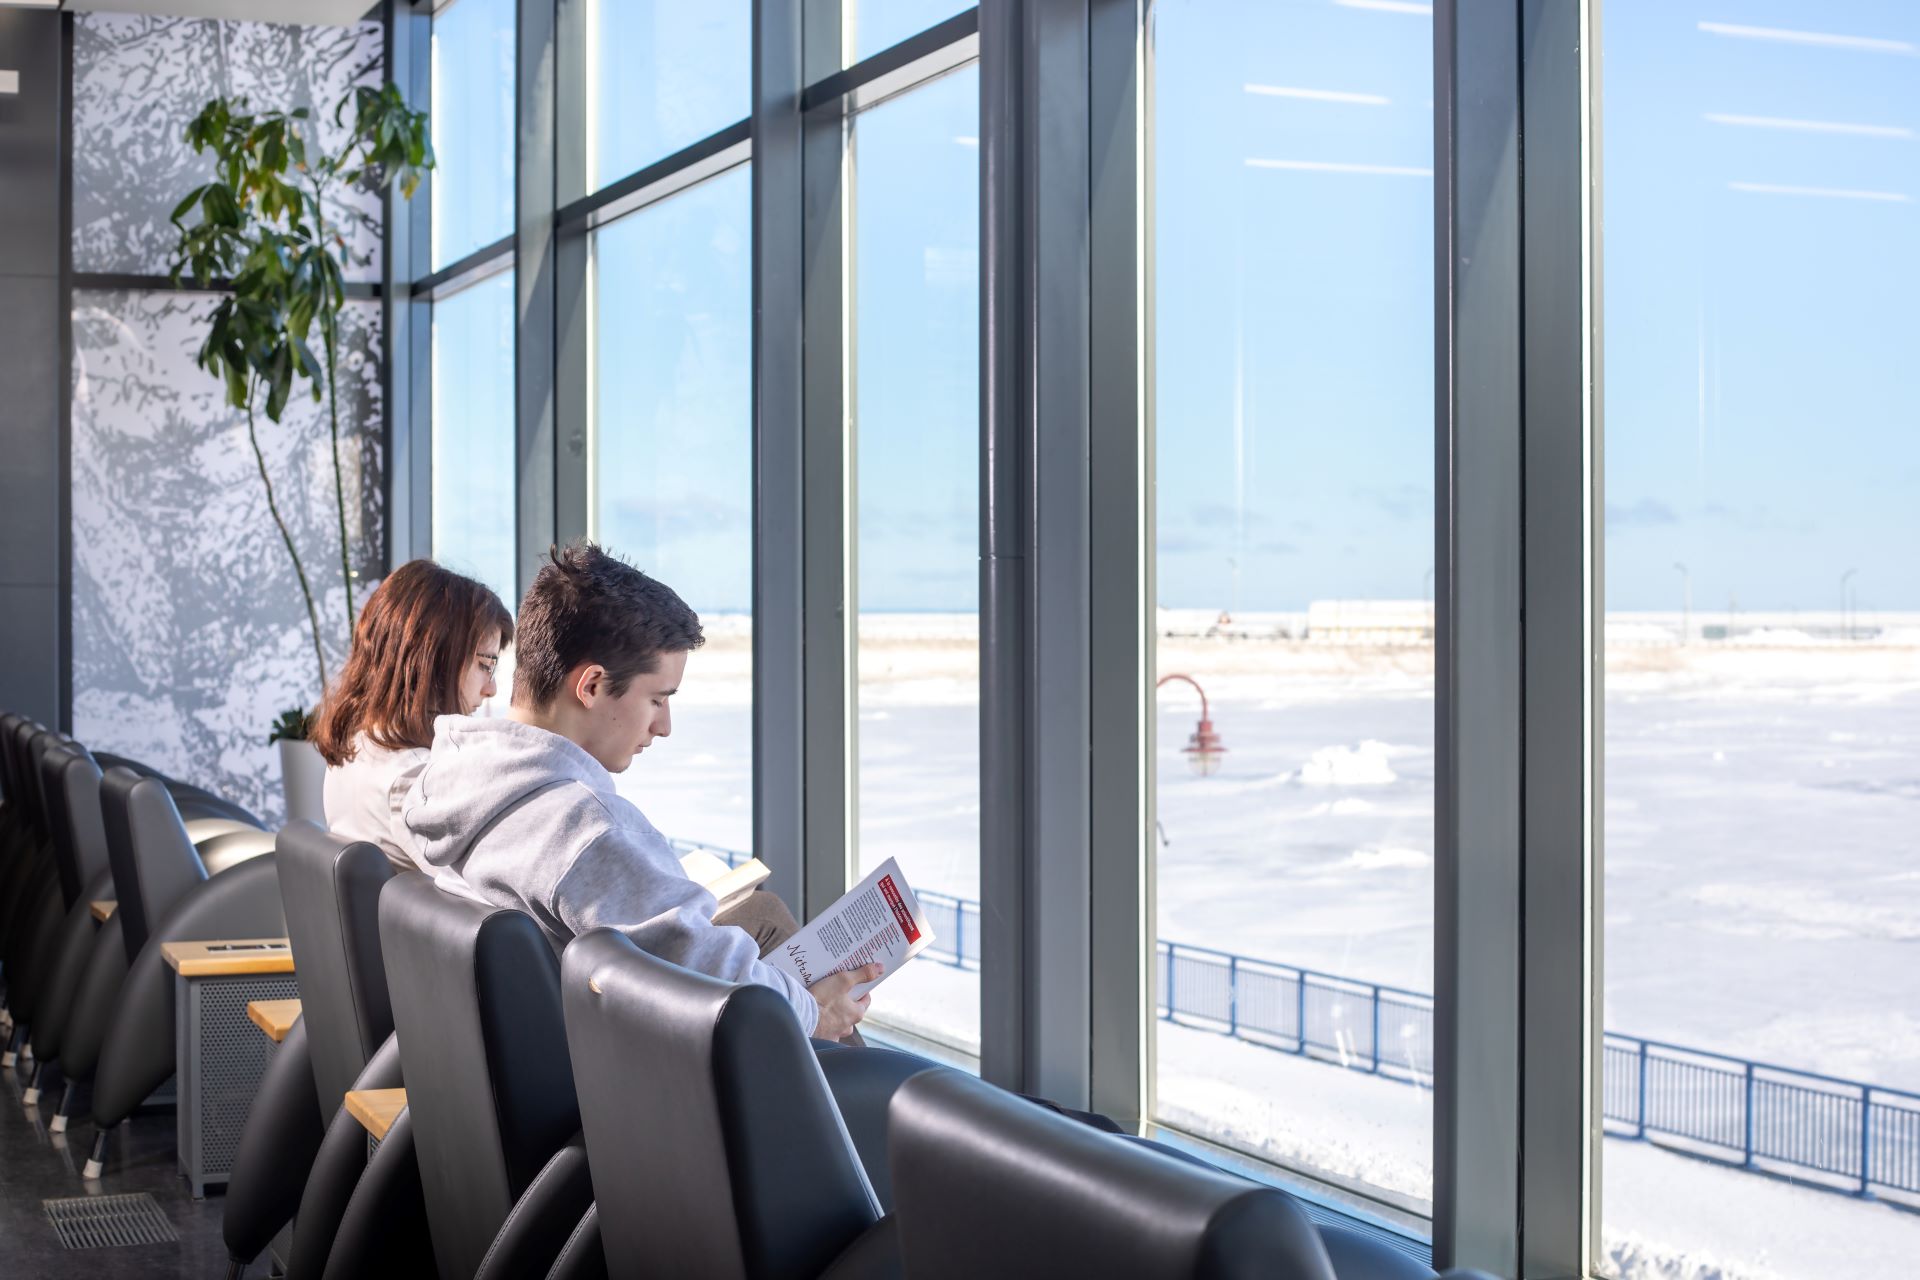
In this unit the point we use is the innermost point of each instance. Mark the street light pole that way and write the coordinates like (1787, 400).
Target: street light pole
(1846, 605)
(1686, 602)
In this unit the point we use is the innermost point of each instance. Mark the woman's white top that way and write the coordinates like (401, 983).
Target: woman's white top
(363, 795)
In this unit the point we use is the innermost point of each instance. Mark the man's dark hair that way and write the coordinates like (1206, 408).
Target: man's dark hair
(588, 606)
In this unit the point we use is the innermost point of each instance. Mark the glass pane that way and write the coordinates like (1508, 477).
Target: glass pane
(916, 391)
(1763, 641)
(473, 135)
(672, 479)
(473, 448)
(873, 25)
(663, 74)
(1293, 249)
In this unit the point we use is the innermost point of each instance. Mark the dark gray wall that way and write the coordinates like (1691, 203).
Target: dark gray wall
(32, 488)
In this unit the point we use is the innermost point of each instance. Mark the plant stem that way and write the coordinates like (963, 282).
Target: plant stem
(313, 615)
(331, 333)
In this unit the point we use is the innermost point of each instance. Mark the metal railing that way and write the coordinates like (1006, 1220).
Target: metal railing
(1751, 1115)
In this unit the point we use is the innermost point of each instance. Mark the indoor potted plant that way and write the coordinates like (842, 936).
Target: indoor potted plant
(261, 225)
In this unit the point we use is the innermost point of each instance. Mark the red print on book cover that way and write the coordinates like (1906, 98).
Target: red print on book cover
(900, 912)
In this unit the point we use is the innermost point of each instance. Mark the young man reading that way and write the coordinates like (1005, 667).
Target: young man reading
(521, 811)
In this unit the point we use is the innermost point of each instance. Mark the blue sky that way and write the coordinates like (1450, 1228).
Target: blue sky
(1762, 248)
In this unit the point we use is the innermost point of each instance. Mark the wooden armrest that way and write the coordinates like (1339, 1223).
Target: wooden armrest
(227, 957)
(275, 1017)
(103, 908)
(376, 1109)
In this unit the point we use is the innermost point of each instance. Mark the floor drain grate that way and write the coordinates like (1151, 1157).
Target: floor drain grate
(104, 1222)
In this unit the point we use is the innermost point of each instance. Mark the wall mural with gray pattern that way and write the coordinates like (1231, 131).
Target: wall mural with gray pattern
(138, 80)
(189, 632)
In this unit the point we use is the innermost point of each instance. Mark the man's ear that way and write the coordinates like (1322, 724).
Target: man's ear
(589, 683)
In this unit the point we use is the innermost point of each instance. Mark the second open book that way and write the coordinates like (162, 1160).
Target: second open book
(880, 920)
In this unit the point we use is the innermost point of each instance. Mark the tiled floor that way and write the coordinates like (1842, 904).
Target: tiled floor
(36, 1166)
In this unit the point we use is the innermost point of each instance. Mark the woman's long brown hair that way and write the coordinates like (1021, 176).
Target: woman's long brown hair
(417, 634)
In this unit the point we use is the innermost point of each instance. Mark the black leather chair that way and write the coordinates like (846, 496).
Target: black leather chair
(164, 896)
(31, 930)
(15, 835)
(990, 1185)
(80, 854)
(476, 1009)
(330, 889)
(715, 1145)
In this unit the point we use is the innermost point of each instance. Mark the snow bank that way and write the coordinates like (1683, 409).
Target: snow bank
(1363, 766)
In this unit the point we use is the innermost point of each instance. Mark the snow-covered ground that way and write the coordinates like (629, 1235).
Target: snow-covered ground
(1762, 889)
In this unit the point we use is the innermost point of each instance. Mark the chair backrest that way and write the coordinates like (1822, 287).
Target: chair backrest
(986, 1183)
(38, 742)
(476, 1008)
(9, 779)
(330, 889)
(66, 856)
(715, 1146)
(81, 783)
(153, 861)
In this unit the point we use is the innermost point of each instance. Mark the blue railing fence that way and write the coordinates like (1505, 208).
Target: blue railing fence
(1750, 1114)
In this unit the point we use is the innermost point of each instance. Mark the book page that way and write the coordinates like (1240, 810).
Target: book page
(880, 920)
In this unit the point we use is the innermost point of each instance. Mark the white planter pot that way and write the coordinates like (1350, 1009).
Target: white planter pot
(305, 775)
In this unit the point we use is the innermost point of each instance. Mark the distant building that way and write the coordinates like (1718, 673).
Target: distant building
(1382, 622)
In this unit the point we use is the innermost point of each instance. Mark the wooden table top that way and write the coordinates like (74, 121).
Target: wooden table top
(228, 957)
(275, 1017)
(376, 1109)
(102, 908)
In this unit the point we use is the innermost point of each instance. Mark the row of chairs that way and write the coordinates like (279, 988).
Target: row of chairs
(90, 1004)
(607, 1113)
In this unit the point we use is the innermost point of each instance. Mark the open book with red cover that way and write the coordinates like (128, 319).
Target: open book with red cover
(879, 921)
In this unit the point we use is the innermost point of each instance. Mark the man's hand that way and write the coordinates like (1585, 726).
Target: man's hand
(840, 1013)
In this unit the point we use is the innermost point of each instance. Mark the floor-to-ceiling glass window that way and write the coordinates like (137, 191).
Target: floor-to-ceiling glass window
(473, 453)
(914, 385)
(662, 75)
(473, 493)
(1292, 268)
(472, 118)
(671, 477)
(1762, 997)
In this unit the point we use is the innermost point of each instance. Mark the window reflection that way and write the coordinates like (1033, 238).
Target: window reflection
(1762, 640)
(1292, 266)
(472, 120)
(663, 74)
(916, 439)
(672, 479)
(473, 434)
(873, 25)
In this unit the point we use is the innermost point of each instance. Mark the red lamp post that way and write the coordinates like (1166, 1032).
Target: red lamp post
(1204, 748)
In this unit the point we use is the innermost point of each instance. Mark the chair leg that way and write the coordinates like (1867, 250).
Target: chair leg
(96, 1162)
(31, 1097)
(12, 1054)
(58, 1124)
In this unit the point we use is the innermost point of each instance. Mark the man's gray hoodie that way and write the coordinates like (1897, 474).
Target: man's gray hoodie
(521, 817)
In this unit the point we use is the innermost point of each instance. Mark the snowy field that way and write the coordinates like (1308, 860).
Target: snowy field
(1762, 890)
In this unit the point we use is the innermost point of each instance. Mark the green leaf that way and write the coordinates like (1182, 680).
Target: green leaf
(180, 210)
(308, 363)
(294, 725)
(236, 388)
(279, 383)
